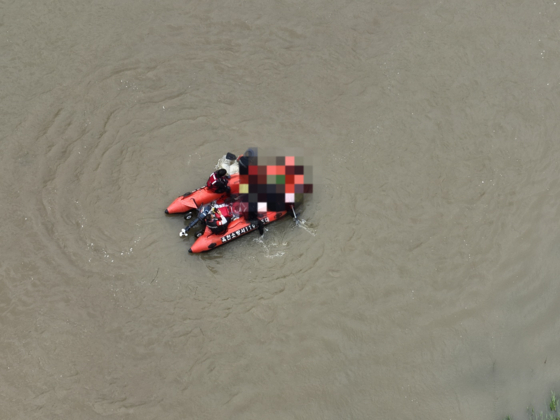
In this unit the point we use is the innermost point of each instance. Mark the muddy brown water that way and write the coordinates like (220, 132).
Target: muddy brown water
(425, 285)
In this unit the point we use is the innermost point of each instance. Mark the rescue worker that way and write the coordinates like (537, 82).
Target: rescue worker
(218, 182)
(218, 219)
(246, 159)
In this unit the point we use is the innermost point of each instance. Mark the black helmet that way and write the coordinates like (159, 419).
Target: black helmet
(251, 152)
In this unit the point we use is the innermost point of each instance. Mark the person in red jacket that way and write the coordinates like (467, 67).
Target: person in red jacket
(218, 219)
(218, 182)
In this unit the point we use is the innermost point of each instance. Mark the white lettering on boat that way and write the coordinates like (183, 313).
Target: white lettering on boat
(242, 231)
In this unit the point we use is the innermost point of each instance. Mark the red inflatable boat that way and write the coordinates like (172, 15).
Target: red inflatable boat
(203, 200)
(194, 199)
(208, 241)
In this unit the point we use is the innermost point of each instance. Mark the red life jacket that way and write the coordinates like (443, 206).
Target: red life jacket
(224, 209)
(220, 221)
(215, 183)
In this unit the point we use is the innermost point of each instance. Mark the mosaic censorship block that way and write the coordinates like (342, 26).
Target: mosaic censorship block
(273, 183)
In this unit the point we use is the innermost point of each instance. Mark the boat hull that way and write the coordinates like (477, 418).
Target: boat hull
(199, 197)
(237, 228)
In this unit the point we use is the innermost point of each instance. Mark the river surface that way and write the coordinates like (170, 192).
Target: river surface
(424, 284)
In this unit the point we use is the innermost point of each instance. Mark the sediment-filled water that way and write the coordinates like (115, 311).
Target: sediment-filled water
(424, 284)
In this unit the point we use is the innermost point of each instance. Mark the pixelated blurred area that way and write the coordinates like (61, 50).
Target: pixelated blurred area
(273, 183)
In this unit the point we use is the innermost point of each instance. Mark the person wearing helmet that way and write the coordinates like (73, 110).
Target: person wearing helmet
(246, 159)
(218, 219)
(218, 182)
